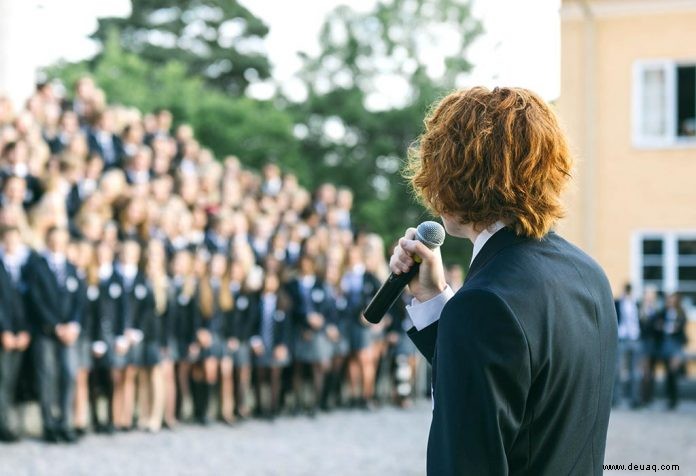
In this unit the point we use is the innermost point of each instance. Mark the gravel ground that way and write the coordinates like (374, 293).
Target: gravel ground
(345, 443)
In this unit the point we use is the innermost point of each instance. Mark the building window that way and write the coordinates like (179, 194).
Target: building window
(664, 104)
(666, 260)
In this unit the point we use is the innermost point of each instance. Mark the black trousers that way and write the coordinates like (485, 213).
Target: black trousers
(10, 364)
(56, 370)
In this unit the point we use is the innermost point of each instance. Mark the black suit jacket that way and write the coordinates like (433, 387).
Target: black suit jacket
(523, 362)
(320, 301)
(52, 301)
(114, 159)
(107, 305)
(282, 330)
(13, 316)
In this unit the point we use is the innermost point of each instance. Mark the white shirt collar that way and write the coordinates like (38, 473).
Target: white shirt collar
(484, 236)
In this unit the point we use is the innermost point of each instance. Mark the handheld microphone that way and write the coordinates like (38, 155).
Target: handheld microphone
(432, 235)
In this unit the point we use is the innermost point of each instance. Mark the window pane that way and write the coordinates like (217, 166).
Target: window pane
(652, 247)
(686, 101)
(654, 102)
(652, 272)
(687, 273)
(687, 247)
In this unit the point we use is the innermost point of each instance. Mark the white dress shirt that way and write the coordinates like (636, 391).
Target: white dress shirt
(423, 314)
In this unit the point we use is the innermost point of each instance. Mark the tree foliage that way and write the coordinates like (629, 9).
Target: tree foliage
(219, 41)
(357, 136)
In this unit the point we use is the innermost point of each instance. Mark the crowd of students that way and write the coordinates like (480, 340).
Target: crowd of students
(141, 280)
(651, 331)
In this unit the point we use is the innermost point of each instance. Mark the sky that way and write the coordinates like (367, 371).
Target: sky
(521, 45)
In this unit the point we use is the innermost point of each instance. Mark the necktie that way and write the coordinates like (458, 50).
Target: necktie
(267, 324)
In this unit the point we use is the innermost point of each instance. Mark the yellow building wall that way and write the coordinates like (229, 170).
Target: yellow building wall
(632, 189)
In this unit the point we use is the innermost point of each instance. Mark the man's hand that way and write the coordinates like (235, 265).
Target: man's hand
(205, 339)
(430, 280)
(315, 320)
(233, 344)
(8, 341)
(332, 333)
(71, 331)
(257, 346)
(22, 341)
(280, 352)
(121, 345)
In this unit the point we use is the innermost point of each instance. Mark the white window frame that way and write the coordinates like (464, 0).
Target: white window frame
(670, 256)
(670, 140)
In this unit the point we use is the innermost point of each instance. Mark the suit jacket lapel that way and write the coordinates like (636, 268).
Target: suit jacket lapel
(502, 239)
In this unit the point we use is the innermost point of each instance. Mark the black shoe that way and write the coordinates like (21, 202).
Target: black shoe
(8, 436)
(68, 436)
(80, 432)
(50, 436)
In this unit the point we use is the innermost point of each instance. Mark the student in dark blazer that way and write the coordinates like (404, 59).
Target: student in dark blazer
(182, 312)
(524, 353)
(670, 326)
(215, 301)
(312, 310)
(55, 293)
(106, 304)
(271, 343)
(245, 294)
(104, 142)
(14, 327)
(136, 293)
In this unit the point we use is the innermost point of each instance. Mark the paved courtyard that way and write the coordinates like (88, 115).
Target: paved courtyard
(386, 442)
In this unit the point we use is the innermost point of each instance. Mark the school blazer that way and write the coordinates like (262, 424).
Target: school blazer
(52, 302)
(13, 315)
(523, 363)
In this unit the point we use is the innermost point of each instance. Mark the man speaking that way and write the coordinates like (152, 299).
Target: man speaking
(523, 354)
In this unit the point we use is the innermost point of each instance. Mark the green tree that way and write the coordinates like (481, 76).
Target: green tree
(218, 40)
(358, 138)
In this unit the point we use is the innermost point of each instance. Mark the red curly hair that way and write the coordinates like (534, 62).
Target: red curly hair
(489, 155)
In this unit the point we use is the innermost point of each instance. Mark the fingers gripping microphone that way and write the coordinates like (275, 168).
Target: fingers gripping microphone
(432, 235)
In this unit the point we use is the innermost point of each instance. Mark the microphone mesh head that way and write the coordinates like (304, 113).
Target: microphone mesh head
(430, 233)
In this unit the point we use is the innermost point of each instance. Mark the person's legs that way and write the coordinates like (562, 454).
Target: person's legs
(67, 356)
(672, 368)
(318, 376)
(354, 378)
(242, 397)
(297, 385)
(210, 369)
(261, 408)
(648, 378)
(183, 375)
(128, 396)
(118, 377)
(169, 383)
(367, 366)
(144, 398)
(634, 372)
(227, 389)
(275, 390)
(10, 362)
(156, 383)
(81, 400)
(46, 350)
(618, 375)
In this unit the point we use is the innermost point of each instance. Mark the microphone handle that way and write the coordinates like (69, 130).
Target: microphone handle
(388, 293)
